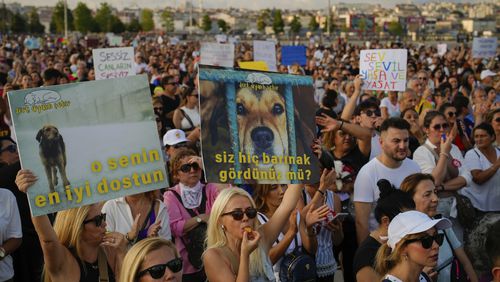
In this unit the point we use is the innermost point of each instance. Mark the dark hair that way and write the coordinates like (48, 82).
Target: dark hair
(486, 127)
(411, 181)
(491, 114)
(365, 105)
(392, 201)
(407, 110)
(329, 98)
(166, 79)
(50, 74)
(445, 106)
(429, 116)
(492, 245)
(394, 122)
(460, 102)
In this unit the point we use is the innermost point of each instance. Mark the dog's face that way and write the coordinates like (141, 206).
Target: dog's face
(262, 123)
(47, 132)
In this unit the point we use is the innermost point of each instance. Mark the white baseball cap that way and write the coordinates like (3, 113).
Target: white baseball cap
(486, 73)
(174, 136)
(412, 222)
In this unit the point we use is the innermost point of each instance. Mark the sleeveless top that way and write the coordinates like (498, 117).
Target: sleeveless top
(89, 272)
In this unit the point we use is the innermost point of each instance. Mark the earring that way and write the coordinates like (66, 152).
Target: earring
(405, 256)
(223, 227)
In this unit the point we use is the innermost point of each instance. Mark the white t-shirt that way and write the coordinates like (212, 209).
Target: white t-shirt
(10, 227)
(119, 217)
(365, 186)
(375, 147)
(485, 197)
(392, 109)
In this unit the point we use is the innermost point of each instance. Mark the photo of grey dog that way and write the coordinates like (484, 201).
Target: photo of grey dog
(52, 154)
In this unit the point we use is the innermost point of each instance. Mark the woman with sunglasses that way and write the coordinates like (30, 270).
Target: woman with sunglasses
(78, 243)
(412, 244)
(450, 113)
(189, 204)
(187, 116)
(494, 119)
(439, 157)
(237, 245)
(421, 188)
(150, 260)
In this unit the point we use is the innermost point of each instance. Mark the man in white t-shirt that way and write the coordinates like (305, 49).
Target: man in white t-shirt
(10, 233)
(390, 164)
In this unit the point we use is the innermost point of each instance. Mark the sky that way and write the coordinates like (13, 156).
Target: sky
(252, 4)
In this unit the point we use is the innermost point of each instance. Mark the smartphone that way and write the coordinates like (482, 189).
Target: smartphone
(443, 136)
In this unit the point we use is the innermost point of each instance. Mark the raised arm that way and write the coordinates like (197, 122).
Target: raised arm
(351, 105)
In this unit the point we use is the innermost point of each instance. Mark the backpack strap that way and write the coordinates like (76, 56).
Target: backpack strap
(188, 119)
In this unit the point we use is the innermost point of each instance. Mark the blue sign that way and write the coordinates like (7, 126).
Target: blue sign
(293, 55)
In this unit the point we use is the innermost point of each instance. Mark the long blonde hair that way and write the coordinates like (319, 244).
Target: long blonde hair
(216, 236)
(136, 255)
(386, 259)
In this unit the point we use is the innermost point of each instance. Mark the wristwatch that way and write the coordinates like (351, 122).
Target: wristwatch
(198, 219)
(3, 254)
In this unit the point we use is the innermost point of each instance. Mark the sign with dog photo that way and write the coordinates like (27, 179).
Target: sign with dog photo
(87, 142)
(257, 127)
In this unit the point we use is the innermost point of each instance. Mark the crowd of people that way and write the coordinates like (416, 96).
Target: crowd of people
(420, 173)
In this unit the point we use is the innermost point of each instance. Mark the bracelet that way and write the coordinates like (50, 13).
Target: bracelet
(440, 188)
(131, 241)
(444, 154)
(341, 124)
(321, 192)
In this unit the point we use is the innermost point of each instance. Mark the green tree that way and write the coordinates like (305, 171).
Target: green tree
(263, 19)
(331, 22)
(18, 23)
(206, 23)
(395, 29)
(278, 23)
(6, 16)
(222, 25)
(84, 21)
(134, 25)
(167, 21)
(104, 17)
(147, 22)
(313, 24)
(295, 25)
(57, 20)
(117, 26)
(34, 25)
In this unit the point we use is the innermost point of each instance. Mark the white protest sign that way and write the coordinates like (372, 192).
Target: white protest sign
(484, 47)
(114, 40)
(383, 69)
(265, 51)
(221, 38)
(217, 54)
(174, 41)
(113, 62)
(442, 48)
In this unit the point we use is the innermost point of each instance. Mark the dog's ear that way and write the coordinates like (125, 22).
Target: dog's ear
(39, 135)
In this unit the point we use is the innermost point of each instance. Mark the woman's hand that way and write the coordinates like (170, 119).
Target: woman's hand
(327, 179)
(25, 179)
(250, 242)
(445, 146)
(114, 240)
(293, 222)
(317, 148)
(327, 122)
(154, 229)
(196, 159)
(314, 216)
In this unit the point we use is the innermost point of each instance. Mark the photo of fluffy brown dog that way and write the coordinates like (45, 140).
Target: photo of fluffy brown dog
(52, 154)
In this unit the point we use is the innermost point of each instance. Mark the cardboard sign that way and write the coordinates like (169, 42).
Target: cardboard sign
(114, 40)
(216, 54)
(253, 130)
(442, 48)
(265, 51)
(383, 69)
(100, 137)
(113, 62)
(293, 55)
(256, 65)
(484, 47)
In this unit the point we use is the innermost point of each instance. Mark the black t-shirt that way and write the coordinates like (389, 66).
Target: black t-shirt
(169, 105)
(355, 159)
(365, 255)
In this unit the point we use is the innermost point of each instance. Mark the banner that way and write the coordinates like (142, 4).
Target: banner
(257, 65)
(113, 62)
(216, 54)
(383, 69)
(265, 51)
(293, 55)
(484, 47)
(88, 142)
(253, 130)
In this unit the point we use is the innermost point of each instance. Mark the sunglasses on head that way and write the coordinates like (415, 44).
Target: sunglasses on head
(12, 148)
(451, 114)
(238, 214)
(187, 167)
(439, 126)
(426, 241)
(370, 113)
(97, 220)
(157, 271)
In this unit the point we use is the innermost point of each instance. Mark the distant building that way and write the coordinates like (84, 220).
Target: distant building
(475, 25)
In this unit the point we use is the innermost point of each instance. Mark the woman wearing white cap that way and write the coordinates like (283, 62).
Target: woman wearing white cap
(413, 243)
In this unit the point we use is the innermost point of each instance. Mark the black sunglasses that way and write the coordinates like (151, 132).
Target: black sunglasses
(451, 114)
(497, 119)
(97, 220)
(157, 271)
(439, 126)
(426, 241)
(238, 214)
(369, 113)
(187, 167)
(422, 78)
(11, 148)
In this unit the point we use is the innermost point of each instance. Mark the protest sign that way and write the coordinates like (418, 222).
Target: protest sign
(265, 51)
(221, 38)
(32, 43)
(293, 55)
(102, 141)
(484, 47)
(217, 54)
(114, 40)
(442, 48)
(383, 69)
(113, 62)
(253, 130)
(256, 65)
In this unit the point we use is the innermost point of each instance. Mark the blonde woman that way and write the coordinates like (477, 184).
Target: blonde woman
(412, 244)
(78, 243)
(151, 259)
(237, 245)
